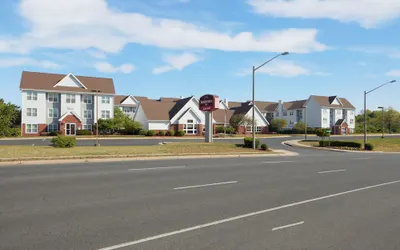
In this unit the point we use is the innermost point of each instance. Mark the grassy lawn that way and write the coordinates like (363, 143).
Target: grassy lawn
(309, 143)
(117, 151)
(385, 144)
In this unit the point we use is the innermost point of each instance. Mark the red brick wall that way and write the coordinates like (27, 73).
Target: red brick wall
(41, 128)
(69, 119)
(200, 129)
(264, 130)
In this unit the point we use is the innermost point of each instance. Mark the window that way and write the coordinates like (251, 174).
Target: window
(105, 114)
(87, 114)
(31, 128)
(325, 111)
(351, 121)
(87, 99)
(249, 129)
(53, 113)
(325, 120)
(106, 99)
(31, 112)
(300, 113)
(291, 122)
(277, 114)
(338, 112)
(285, 113)
(87, 127)
(129, 109)
(190, 128)
(258, 129)
(70, 98)
(31, 96)
(52, 128)
(52, 97)
(291, 112)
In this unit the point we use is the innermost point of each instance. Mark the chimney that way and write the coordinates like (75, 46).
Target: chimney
(226, 102)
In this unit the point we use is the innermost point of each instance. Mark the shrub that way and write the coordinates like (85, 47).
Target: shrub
(64, 141)
(83, 132)
(264, 146)
(151, 133)
(349, 144)
(161, 133)
(143, 132)
(55, 133)
(369, 147)
(180, 133)
(248, 142)
(14, 132)
(170, 133)
(321, 132)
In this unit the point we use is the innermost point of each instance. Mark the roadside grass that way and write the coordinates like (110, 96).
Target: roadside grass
(34, 152)
(386, 144)
(312, 143)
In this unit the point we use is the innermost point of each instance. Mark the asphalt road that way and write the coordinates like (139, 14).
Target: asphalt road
(317, 200)
(136, 142)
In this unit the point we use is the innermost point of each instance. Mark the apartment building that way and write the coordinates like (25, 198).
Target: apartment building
(65, 103)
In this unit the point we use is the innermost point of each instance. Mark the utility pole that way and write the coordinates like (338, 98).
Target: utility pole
(383, 122)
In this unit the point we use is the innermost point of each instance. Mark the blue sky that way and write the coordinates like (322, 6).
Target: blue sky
(192, 47)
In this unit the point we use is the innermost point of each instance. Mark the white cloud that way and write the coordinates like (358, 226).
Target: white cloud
(97, 54)
(368, 13)
(96, 25)
(392, 52)
(395, 72)
(284, 68)
(26, 61)
(106, 67)
(177, 62)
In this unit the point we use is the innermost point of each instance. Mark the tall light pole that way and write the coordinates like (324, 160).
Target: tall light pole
(97, 116)
(365, 108)
(305, 123)
(254, 105)
(383, 121)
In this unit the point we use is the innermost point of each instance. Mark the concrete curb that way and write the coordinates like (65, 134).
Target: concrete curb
(275, 153)
(138, 138)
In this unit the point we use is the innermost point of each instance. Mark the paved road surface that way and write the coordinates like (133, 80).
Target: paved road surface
(317, 200)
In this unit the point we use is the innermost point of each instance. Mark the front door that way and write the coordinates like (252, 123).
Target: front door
(70, 129)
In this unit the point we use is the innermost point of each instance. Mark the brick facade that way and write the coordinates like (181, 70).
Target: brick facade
(70, 119)
(42, 128)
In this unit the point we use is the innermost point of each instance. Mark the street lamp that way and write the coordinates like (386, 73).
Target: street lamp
(365, 108)
(254, 112)
(97, 91)
(305, 123)
(383, 123)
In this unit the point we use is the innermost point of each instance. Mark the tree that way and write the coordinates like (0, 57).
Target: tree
(391, 121)
(240, 120)
(278, 124)
(321, 132)
(300, 126)
(121, 123)
(8, 115)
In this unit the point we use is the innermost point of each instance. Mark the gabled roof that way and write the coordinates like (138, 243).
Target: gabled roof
(340, 122)
(219, 115)
(70, 113)
(163, 109)
(326, 101)
(266, 106)
(47, 81)
(294, 104)
(120, 99)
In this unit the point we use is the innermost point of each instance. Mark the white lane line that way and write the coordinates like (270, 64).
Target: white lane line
(185, 230)
(332, 171)
(286, 226)
(155, 168)
(276, 162)
(44, 139)
(206, 185)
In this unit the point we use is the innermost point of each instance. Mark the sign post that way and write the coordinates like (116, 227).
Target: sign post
(208, 104)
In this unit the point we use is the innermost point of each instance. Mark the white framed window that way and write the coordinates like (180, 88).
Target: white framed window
(105, 114)
(52, 127)
(87, 99)
(31, 96)
(87, 114)
(87, 127)
(129, 109)
(291, 112)
(53, 113)
(31, 112)
(190, 127)
(70, 98)
(31, 128)
(106, 99)
(285, 113)
(52, 97)
(249, 128)
(351, 121)
(258, 129)
(338, 112)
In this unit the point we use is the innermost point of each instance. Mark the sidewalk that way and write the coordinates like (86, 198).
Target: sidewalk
(110, 158)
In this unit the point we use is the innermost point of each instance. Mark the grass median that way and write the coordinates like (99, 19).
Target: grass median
(171, 149)
(386, 144)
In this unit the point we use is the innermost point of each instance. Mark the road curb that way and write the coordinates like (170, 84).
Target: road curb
(276, 153)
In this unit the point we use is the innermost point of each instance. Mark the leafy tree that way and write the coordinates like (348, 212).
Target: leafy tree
(391, 121)
(321, 132)
(300, 126)
(121, 123)
(278, 124)
(8, 116)
(240, 120)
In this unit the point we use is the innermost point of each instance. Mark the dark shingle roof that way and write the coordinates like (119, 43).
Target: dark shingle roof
(163, 109)
(294, 104)
(326, 101)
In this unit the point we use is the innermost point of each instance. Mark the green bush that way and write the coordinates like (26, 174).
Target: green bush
(369, 147)
(143, 132)
(64, 141)
(151, 133)
(170, 133)
(83, 132)
(264, 146)
(180, 133)
(349, 144)
(248, 142)
(221, 130)
(161, 133)
(14, 132)
(55, 133)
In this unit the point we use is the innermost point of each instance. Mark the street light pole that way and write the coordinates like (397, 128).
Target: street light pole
(305, 123)
(254, 105)
(365, 108)
(97, 117)
(383, 122)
